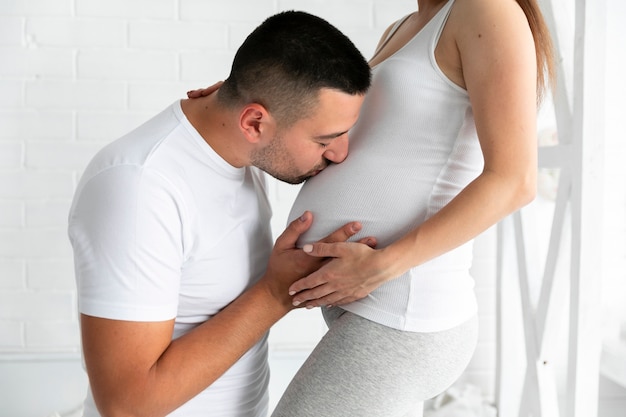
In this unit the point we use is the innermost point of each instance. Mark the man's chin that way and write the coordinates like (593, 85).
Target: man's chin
(297, 180)
(292, 180)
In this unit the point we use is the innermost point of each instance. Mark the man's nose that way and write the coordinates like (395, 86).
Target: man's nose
(337, 151)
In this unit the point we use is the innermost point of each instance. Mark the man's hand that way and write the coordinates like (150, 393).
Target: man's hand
(288, 263)
(203, 92)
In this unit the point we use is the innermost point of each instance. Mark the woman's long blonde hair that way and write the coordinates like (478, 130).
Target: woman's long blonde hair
(544, 49)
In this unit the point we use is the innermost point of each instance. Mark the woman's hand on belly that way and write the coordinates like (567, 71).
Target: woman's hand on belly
(354, 271)
(288, 263)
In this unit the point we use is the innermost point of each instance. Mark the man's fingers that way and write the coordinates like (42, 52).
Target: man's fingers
(369, 241)
(288, 239)
(343, 233)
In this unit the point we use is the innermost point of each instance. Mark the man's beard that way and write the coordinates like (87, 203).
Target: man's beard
(277, 162)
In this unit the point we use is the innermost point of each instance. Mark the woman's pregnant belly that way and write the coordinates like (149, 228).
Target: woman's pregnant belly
(387, 201)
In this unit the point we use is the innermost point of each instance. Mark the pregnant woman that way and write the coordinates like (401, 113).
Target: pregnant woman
(445, 146)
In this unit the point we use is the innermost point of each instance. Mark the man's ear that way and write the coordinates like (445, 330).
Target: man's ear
(254, 122)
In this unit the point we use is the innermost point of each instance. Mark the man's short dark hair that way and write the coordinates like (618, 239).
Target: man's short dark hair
(284, 63)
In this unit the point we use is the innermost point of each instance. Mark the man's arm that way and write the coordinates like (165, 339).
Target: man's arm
(135, 369)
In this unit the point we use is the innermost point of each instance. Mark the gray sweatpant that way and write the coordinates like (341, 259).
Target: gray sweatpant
(364, 369)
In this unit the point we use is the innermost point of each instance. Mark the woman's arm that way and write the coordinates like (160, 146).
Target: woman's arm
(497, 66)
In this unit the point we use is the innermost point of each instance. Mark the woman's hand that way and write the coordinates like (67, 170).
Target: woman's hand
(203, 92)
(353, 272)
(288, 263)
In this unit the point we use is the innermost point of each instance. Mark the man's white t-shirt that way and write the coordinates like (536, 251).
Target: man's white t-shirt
(163, 228)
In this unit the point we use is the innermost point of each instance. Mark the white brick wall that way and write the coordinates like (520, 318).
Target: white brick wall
(74, 32)
(76, 74)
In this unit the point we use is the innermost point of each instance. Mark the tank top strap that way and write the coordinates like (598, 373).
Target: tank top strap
(439, 21)
(393, 30)
(436, 24)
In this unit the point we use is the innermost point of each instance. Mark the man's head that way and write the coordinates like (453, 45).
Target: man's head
(297, 84)
(285, 62)
(309, 145)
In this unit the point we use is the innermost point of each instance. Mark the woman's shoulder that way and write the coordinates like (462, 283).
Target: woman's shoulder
(486, 15)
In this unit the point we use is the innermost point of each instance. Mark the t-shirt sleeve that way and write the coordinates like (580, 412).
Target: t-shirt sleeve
(125, 227)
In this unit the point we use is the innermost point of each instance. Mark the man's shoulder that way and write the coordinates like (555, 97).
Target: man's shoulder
(137, 146)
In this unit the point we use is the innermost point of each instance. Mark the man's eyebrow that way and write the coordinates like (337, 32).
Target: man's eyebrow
(331, 135)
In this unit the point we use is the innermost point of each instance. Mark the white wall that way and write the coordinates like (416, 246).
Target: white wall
(76, 74)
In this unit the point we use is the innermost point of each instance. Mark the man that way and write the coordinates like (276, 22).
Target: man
(170, 227)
